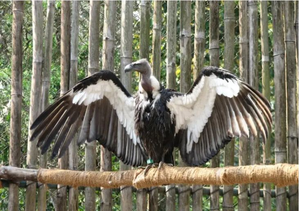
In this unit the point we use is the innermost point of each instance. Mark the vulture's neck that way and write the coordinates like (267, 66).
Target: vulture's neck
(149, 85)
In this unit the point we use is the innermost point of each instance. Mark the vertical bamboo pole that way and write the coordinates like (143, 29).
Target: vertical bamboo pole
(108, 64)
(199, 50)
(144, 29)
(266, 93)
(93, 66)
(42, 200)
(229, 38)
(157, 25)
(73, 149)
(199, 37)
(185, 83)
(64, 86)
(141, 202)
(171, 78)
(280, 96)
(290, 61)
(171, 44)
(16, 99)
(214, 61)
(156, 64)
(126, 58)
(35, 96)
(185, 45)
(243, 66)
(253, 81)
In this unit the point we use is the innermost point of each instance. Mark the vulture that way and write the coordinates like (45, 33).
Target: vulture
(144, 128)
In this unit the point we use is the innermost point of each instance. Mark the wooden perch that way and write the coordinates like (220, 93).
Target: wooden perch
(279, 174)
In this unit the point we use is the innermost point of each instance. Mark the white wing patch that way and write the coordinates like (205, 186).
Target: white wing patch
(227, 87)
(123, 105)
(193, 110)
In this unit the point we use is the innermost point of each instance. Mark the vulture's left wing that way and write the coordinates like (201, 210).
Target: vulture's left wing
(96, 105)
(217, 108)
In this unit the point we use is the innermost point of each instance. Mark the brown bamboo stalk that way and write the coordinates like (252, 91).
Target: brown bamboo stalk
(280, 96)
(73, 149)
(144, 28)
(171, 77)
(42, 198)
(35, 95)
(157, 26)
(171, 44)
(108, 64)
(199, 50)
(126, 79)
(243, 66)
(214, 61)
(16, 99)
(290, 61)
(93, 66)
(229, 38)
(64, 86)
(253, 81)
(185, 80)
(266, 93)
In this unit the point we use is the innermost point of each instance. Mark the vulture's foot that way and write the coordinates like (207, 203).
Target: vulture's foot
(162, 164)
(148, 167)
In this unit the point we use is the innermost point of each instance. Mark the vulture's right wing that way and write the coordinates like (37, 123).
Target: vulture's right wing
(96, 105)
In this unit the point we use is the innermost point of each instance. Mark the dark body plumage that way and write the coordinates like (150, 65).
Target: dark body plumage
(155, 126)
(148, 125)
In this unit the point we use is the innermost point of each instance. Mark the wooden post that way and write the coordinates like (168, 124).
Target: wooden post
(141, 203)
(35, 95)
(199, 50)
(214, 61)
(229, 54)
(93, 66)
(280, 96)
(16, 99)
(64, 86)
(243, 66)
(108, 64)
(157, 27)
(144, 28)
(199, 37)
(266, 93)
(171, 77)
(73, 148)
(171, 44)
(185, 84)
(290, 61)
(42, 200)
(253, 81)
(126, 79)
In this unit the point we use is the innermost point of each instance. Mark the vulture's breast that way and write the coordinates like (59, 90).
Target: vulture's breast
(154, 126)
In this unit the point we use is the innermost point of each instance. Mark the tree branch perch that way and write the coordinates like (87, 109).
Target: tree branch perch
(279, 174)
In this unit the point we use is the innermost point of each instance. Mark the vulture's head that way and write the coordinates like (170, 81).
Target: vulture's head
(141, 66)
(148, 82)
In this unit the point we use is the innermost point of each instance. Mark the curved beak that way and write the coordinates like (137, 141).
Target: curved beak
(129, 68)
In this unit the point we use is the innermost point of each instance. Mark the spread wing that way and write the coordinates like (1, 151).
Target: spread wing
(218, 108)
(97, 105)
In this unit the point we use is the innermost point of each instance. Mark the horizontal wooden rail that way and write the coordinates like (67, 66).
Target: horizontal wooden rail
(279, 174)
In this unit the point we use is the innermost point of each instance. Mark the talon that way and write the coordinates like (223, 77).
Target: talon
(147, 168)
(161, 165)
